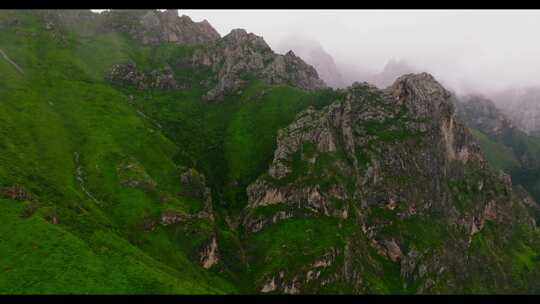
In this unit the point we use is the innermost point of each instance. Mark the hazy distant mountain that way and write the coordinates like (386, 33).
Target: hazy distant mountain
(392, 70)
(505, 146)
(522, 105)
(342, 74)
(314, 54)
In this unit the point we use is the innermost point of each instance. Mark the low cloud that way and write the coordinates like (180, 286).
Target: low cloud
(468, 50)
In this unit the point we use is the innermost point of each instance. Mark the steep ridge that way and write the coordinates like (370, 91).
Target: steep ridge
(405, 188)
(314, 54)
(240, 56)
(231, 63)
(154, 27)
(506, 146)
(481, 113)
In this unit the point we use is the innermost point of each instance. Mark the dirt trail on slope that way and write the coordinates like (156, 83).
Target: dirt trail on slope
(81, 181)
(11, 61)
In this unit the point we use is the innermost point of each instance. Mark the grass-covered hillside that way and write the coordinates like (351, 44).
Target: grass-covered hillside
(109, 187)
(93, 166)
(517, 154)
(65, 133)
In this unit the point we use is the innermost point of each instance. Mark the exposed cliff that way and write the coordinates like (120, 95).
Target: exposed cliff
(240, 56)
(314, 54)
(406, 185)
(505, 144)
(481, 113)
(154, 27)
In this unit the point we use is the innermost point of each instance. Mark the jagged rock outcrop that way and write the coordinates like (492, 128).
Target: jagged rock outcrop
(209, 255)
(194, 186)
(129, 74)
(314, 54)
(149, 27)
(521, 151)
(241, 55)
(352, 132)
(132, 174)
(398, 167)
(154, 27)
(232, 62)
(480, 113)
(16, 192)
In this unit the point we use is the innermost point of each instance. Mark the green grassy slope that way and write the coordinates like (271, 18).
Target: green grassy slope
(103, 158)
(75, 142)
(498, 155)
(230, 142)
(38, 257)
(517, 154)
(61, 121)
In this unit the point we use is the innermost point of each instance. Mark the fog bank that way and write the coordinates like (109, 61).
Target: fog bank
(469, 50)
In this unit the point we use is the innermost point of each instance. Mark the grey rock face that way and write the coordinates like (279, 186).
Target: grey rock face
(194, 186)
(481, 113)
(154, 27)
(400, 149)
(128, 73)
(343, 131)
(240, 55)
(314, 54)
(209, 255)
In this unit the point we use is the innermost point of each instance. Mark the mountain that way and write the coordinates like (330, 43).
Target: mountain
(507, 147)
(139, 162)
(342, 74)
(314, 54)
(392, 70)
(384, 191)
(522, 105)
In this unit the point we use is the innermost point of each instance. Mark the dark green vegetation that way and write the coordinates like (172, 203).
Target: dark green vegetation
(92, 198)
(515, 153)
(65, 133)
(500, 156)
(505, 146)
(67, 137)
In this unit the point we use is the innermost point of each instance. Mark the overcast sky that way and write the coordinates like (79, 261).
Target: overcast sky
(478, 49)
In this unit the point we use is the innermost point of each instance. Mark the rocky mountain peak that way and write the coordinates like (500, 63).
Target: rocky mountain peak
(238, 32)
(240, 38)
(424, 95)
(154, 27)
(418, 85)
(290, 54)
(382, 158)
(239, 54)
(173, 14)
(480, 113)
(314, 54)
